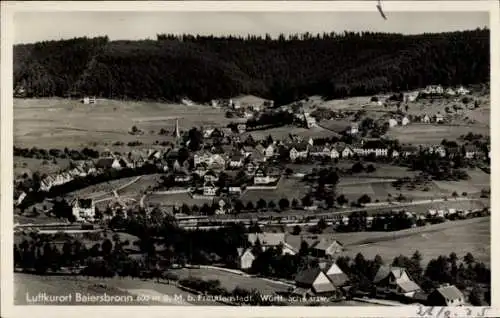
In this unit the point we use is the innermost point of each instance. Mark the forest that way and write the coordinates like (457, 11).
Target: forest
(171, 67)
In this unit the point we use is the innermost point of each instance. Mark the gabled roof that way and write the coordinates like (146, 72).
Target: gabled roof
(307, 276)
(450, 292)
(339, 279)
(323, 244)
(408, 286)
(84, 203)
(105, 163)
(300, 146)
(269, 239)
(384, 271)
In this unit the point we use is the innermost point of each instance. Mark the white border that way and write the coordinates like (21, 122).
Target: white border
(6, 143)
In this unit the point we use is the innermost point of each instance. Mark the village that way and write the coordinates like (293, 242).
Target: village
(209, 179)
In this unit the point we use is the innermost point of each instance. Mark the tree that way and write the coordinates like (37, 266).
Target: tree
(322, 224)
(295, 203)
(454, 195)
(357, 167)
(475, 297)
(238, 206)
(284, 204)
(304, 248)
(250, 206)
(261, 204)
(469, 259)
(185, 209)
(307, 201)
(370, 168)
(341, 200)
(106, 247)
(296, 230)
(271, 205)
(364, 199)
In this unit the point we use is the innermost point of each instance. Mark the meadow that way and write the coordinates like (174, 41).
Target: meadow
(60, 123)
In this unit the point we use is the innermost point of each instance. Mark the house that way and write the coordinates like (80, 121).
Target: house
(234, 189)
(438, 118)
(261, 149)
(446, 295)
(437, 149)
(395, 153)
(395, 280)
(210, 176)
(250, 167)
(313, 281)
(470, 151)
(257, 156)
(426, 119)
(408, 150)
(245, 258)
(462, 91)
(345, 150)
(405, 121)
(207, 132)
(107, 163)
(271, 240)
(337, 276)
(354, 129)
(299, 150)
(241, 128)
(83, 209)
(236, 161)
(393, 122)
(246, 151)
(376, 147)
(217, 161)
(202, 157)
(209, 189)
(182, 177)
(325, 248)
(269, 151)
(261, 177)
(324, 151)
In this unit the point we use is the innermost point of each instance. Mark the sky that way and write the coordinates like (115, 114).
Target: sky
(39, 26)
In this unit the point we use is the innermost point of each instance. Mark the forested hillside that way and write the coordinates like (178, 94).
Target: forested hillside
(283, 69)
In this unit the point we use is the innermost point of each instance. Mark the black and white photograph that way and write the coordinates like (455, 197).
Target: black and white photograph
(251, 158)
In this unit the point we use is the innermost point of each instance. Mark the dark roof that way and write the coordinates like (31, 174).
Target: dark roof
(374, 144)
(104, 163)
(339, 279)
(301, 146)
(408, 286)
(307, 276)
(84, 203)
(384, 271)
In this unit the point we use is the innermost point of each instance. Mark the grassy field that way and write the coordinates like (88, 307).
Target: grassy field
(287, 188)
(284, 132)
(442, 239)
(29, 165)
(63, 285)
(432, 134)
(230, 281)
(59, 123)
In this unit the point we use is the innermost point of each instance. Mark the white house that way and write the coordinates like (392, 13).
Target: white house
(236, 161)
(245, 258)
(354, 129)
(426, 119)
(446, 296)
(393, 122)
(261, 177)
(269, 151)
(209, 189)
(463, 91)
(405, 121)
(395, 280)
(470, 151)
(83, 209)
(299, 150)
(439, 118)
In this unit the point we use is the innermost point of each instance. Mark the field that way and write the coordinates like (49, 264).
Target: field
(442, 239)
(63, 285)
(29, 165)
(287, 188)
(284, 132)
(432, 134)
(230, 281)
(60, 123)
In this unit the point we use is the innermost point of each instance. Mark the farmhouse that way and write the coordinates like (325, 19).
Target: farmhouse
(211, 176)
(236, 161)
(395, 280)
(262, 177)
(462, 91)
(376, 147)
(325, 248)
(438, 118)
(405, 121)
(245, 258)
(408, 150)
(354, 129)
(271, 240)
(299, 150)
(344, 150)
(446, 295)
(269, 151)
(241, 128)
(313, 281)
(437, 149)
(336, 275)
(83, 209)
(209, 189)
(470, 151)
(426, 119)
(324, 151)
(393, 122)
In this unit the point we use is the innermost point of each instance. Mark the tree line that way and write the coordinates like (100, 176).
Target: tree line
(282, 69)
